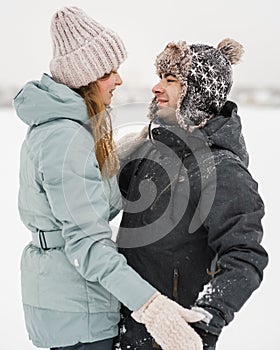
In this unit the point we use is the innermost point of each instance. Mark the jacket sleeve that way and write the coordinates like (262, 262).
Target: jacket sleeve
(74, 188)
(234, 233)
(129, 143)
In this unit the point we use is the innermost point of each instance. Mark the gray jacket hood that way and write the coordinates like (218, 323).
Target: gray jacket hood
(42, 101)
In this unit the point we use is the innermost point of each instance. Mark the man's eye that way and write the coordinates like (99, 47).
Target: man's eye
(171, 80)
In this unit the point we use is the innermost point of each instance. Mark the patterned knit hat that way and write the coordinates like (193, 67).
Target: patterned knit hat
(83, 50)
(205, 74)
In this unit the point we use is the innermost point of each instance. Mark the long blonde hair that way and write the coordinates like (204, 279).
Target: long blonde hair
(101, 125)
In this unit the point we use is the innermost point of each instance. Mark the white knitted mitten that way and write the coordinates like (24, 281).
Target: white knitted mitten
(130, 142)
(167, 322)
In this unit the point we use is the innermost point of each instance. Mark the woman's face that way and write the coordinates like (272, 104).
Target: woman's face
(107, 85)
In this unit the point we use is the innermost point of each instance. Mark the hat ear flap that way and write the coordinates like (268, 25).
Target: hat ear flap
(231, 49)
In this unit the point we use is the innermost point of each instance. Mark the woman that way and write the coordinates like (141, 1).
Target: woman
(72, 275)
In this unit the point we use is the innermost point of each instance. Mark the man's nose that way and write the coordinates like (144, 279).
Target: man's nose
(158, 89)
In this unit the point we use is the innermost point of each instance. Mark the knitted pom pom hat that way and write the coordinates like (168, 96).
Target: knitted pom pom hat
(83, 50)
(205, 74)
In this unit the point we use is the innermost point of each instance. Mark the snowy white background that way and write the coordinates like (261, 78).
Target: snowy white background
(146, 27)
(255, 327)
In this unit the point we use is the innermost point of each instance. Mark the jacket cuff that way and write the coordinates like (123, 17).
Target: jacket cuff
(212, 324)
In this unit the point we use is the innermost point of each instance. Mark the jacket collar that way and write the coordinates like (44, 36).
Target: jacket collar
(223, 132)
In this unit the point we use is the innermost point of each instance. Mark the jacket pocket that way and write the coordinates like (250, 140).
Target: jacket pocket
(49, 281)
(175, 285)
(100, 300)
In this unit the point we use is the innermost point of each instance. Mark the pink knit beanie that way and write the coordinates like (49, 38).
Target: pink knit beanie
(83, 50)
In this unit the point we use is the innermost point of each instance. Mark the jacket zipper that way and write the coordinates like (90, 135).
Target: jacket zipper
(155, 345)
(175, 284)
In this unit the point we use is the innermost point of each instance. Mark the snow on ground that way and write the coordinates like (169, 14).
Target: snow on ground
(255, 327)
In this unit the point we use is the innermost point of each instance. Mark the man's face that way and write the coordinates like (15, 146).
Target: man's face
(167, 92)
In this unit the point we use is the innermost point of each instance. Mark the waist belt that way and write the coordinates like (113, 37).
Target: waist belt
(48, 239)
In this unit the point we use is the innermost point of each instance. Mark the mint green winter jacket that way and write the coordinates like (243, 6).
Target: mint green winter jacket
(71, 293)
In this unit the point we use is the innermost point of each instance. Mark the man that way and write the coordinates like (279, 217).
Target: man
(192, 218)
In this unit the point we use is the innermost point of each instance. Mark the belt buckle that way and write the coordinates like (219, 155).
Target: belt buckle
(42, 240)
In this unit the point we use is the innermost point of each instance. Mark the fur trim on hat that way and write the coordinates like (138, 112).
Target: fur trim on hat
(175, 59)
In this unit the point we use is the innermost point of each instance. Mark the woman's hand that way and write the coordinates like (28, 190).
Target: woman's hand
(167, 322)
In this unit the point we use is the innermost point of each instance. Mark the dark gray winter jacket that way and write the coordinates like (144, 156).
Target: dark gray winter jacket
(192, 221)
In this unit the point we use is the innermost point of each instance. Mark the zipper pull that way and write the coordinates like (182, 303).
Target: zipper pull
(175, 284)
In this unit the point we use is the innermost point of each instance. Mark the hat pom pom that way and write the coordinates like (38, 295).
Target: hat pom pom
(231, 49)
